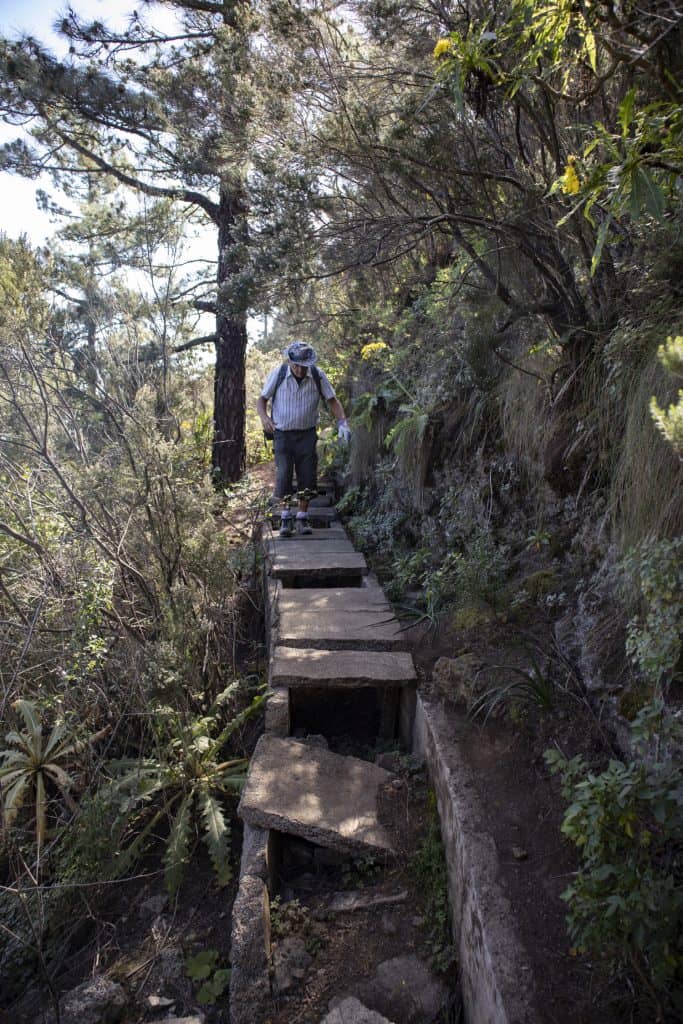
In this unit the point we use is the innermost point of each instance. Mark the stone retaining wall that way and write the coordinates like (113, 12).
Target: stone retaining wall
(496, 979)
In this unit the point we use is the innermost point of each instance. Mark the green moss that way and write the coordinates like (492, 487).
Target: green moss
(472, 615)
(540, 583)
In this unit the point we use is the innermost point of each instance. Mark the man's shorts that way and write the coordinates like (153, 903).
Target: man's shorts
(295, 450)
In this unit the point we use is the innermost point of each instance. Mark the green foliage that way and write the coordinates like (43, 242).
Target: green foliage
(428, 867)
(477, 573)
(654, 638)
(204, 967)
(528, 687)
(288, 917)
(188, 776)
(626, 902)
(670, 421)
(31, 763)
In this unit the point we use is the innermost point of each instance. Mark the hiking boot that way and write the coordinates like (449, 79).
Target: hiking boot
(303, 526)
(286, 526)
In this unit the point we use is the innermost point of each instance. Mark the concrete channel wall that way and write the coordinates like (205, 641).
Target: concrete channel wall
(496, 979)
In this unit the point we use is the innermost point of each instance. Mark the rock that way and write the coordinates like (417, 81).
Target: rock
(168, 975)
(291, 960)
(159, 1004)
(96, 1001)
(351, 1011)
(197, 1018)
(154, 906)
(404, 989)
(458, 679)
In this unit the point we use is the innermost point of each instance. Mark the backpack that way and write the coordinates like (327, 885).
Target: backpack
(282, 372)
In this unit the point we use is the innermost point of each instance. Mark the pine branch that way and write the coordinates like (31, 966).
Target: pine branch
(209, 339)
(185, 195)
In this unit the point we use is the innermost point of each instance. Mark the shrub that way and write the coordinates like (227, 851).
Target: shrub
(626, 901)
(654, 639)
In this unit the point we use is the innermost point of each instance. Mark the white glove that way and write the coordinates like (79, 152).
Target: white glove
(344, 431)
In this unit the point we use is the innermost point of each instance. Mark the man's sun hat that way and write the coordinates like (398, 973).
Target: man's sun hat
(301, 354)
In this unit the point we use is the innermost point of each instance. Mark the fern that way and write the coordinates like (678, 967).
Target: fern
(216, 834)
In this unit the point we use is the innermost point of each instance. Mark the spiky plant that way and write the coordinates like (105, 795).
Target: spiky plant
(31, 764)
(187, 784)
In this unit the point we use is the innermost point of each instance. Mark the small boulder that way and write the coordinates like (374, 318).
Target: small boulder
(291, 960)
(351, 1011)
(404, 988)
(96, 1001)
(458, 679)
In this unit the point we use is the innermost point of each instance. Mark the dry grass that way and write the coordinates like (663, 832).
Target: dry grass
(647, 485)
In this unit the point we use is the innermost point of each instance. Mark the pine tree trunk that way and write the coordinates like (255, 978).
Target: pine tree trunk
(229, 446)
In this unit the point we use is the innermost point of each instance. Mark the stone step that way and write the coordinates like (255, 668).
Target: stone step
(312, 793)
(316, 560)
(335, 628)
(298, 544)
(368, 597)
(299, 667)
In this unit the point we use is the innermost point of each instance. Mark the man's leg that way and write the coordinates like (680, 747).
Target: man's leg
(306, 461)
(284, 473)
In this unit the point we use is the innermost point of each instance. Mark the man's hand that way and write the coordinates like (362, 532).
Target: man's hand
(268, 424)
(344, 431)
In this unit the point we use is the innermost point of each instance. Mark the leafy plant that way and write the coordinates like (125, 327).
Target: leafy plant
(670, 421)
(654, 639)
(204, 967)
(31, 763)
(533, 686)
(626, 902)
(287, 917)
(185, 778)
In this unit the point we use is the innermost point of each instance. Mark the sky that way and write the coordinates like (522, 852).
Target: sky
(20, 214)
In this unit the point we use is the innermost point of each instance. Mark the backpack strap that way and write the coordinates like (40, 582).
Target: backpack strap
(279, 379)
(315, 374)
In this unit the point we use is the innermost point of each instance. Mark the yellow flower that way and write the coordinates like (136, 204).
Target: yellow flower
(442, 47)
(370, 350)
(570, 179)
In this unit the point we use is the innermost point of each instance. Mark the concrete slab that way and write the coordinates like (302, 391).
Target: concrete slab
(336, 629)
(333, 542)
(295, 666)
(314, 560)
(368, 597)
(319, 796)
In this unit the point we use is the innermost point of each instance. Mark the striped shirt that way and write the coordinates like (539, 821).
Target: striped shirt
(295, 406)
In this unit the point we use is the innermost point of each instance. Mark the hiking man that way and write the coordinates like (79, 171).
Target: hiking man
(294, 391)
